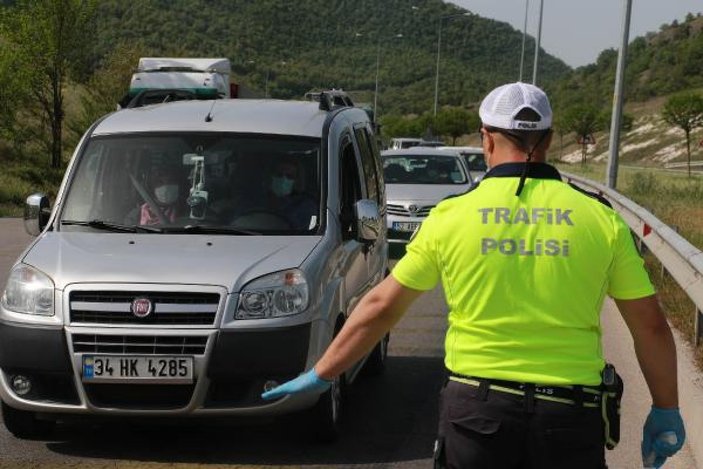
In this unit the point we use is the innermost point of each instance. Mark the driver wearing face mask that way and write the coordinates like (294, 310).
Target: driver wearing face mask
(165, 192)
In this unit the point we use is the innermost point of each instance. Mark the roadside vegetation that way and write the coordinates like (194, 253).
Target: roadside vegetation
(677, 200)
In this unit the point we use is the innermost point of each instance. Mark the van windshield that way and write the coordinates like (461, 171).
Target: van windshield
(196, 183)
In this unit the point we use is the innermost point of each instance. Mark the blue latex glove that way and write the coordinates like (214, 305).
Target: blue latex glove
(658, 422)
(307, 382)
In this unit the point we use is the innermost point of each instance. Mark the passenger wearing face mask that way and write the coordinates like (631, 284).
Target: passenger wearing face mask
(283, 198)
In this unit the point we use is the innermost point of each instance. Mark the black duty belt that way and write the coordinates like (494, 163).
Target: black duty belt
(573, 395)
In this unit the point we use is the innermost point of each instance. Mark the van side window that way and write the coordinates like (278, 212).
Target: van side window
(351, 187)
(369, 164)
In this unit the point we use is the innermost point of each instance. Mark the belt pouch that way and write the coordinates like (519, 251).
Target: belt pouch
(612, 388)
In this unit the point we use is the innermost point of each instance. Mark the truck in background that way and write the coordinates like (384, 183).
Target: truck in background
(159, 79)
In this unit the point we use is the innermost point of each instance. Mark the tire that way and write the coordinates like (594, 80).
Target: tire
(376, 363)
(325, 416)
(25, 425)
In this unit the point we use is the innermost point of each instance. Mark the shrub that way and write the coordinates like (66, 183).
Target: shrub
(643, 184)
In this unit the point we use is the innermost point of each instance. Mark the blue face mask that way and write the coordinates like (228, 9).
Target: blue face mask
(282, 186)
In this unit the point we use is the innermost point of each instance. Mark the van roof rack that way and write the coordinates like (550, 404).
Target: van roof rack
(330, 99)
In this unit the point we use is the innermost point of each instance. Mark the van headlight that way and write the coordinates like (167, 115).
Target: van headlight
(274, 295)
(29, 291)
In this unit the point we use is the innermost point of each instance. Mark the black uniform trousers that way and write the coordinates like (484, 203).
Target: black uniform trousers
(482, 428)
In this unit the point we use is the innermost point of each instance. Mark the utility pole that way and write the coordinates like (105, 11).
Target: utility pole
(266, 84)
(436, 79)
(612, 175)
(524, 36)
(439, 48)
(375, 92)
(537, 44)
(378, 66)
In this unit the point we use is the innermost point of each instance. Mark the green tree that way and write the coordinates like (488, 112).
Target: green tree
(684, 111)
(53, 38)
(11, 94)
(400, 126)
(455, 122)
(107, 86)
(584, 120)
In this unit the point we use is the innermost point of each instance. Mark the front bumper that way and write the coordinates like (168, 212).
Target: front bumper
(228, 377)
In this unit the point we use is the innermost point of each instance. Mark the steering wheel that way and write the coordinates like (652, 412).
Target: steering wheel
(258, 218)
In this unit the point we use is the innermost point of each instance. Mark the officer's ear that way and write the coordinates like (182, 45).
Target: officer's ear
(488, 143)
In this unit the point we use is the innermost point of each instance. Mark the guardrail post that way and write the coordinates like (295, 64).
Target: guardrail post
(663, 269)
(641, 247)
(639, 243)
(699, 327)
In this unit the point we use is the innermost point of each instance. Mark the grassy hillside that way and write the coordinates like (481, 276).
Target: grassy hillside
(332, 43)
(658, 64)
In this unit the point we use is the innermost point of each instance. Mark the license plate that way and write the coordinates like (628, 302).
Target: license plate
(405, 225)
(141, 369)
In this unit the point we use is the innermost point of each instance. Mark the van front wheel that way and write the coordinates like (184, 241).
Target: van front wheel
(25, 425)
(376, 363)
(325, 415)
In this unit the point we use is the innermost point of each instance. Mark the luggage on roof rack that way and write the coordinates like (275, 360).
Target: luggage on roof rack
(147, 97)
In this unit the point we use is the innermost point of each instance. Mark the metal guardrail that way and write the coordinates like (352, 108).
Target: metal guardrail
(681, 259)
(683, 165)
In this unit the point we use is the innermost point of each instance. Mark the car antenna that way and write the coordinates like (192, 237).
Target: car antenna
(208, 118)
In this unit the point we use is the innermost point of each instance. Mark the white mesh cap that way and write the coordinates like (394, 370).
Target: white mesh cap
(500, 107)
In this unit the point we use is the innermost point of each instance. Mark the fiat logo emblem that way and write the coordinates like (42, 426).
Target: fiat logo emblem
(412, 208)
(141, 307)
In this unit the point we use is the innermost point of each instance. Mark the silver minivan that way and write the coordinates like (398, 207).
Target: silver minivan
(197, 254)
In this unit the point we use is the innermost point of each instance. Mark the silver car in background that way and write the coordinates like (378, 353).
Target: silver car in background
(172, 278)
(416, 180)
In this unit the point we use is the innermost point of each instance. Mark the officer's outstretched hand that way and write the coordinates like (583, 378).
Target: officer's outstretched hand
(663, 435)
(307, 382)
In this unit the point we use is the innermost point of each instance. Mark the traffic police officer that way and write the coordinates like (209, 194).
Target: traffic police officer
(525, 261)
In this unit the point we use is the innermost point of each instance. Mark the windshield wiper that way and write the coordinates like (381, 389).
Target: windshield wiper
(210, 230)
(109, 226)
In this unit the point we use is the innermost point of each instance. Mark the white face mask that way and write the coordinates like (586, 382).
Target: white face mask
(166, 194)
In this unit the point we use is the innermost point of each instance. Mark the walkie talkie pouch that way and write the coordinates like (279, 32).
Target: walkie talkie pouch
(612, 388)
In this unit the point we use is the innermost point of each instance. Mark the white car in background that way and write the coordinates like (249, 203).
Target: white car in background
(473, 160)
(416, 180)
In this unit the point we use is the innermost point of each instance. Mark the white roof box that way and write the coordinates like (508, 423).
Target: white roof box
(150, 64)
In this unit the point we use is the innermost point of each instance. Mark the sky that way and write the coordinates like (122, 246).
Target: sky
(577, 31)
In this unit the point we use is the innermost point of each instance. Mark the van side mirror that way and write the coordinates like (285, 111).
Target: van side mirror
(36, 213)
(368, 220)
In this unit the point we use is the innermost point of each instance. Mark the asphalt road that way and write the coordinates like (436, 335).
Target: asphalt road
(389, 421)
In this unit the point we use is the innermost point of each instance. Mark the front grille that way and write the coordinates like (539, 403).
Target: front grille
(168, 308)
(403, 210)
(139, 344)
